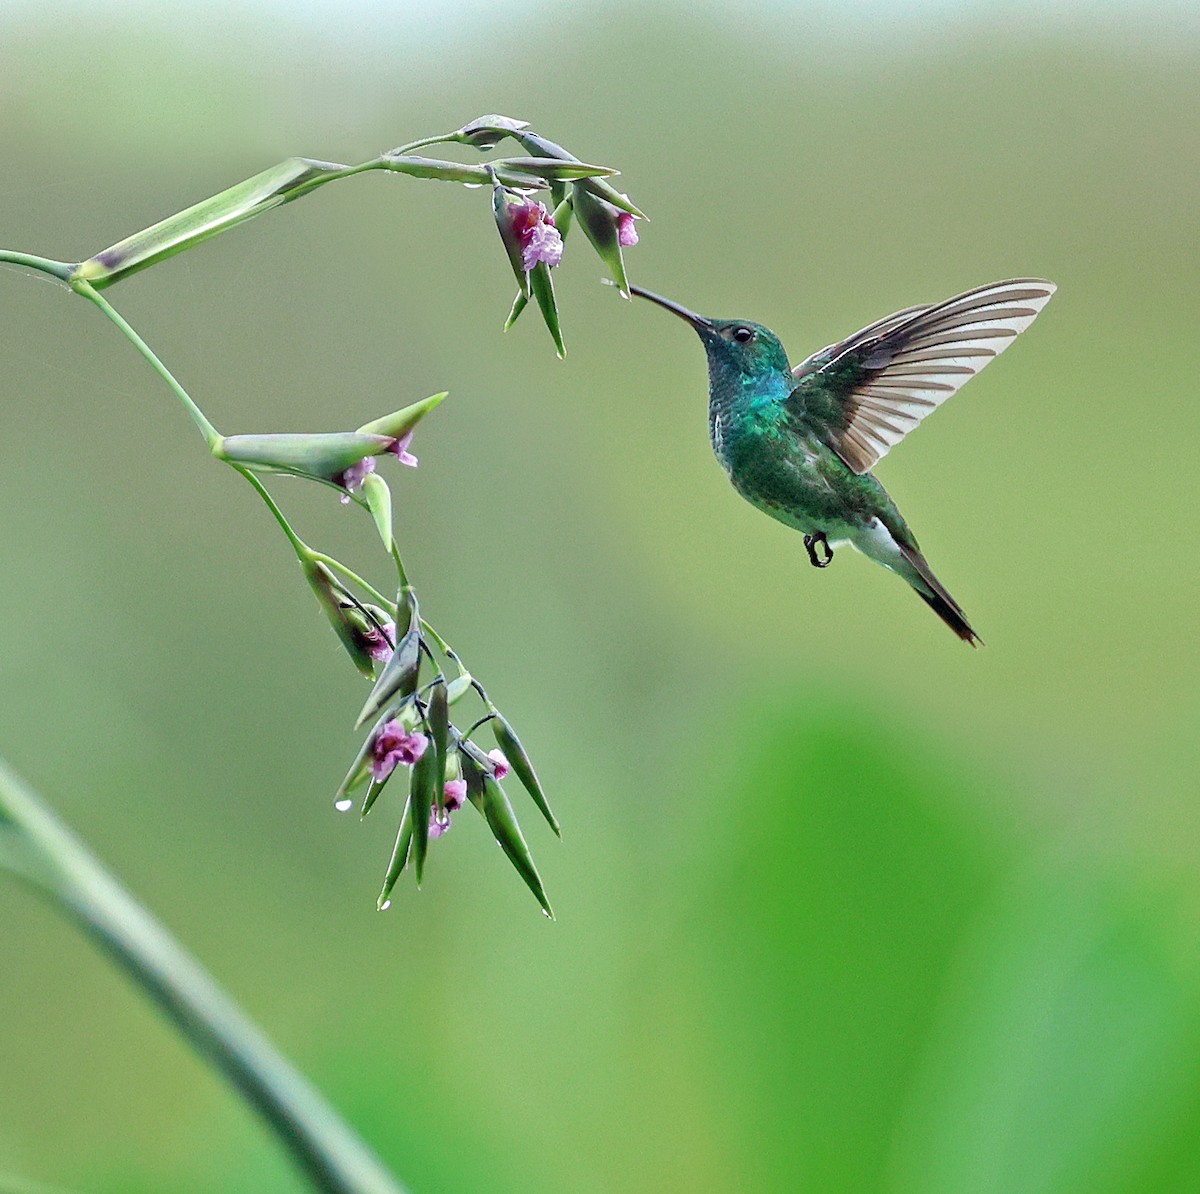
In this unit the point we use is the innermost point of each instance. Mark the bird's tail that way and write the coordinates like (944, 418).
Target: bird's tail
(888, 541)
(933, 593)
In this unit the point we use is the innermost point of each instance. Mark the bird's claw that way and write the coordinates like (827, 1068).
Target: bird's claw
(811, 542)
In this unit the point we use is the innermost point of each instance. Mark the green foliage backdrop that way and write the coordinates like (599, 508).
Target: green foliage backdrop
(843, 906)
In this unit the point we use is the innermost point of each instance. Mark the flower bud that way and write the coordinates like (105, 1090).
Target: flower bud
(425, 787)
(526, 172)
(398, 679)
(472, 769)
(518, 759)
(603, 189)
(378, 499)
(400, 855)
(337, 458)
(437, 718)
(540, 146)
(608, 229)
(502, 209)
(341, 458)
(400, 423)
(458, 687)
(486, 132)
(345, 615)
(503, 824)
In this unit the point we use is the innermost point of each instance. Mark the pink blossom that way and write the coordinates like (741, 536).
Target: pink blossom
(399, 449)
(454, 794)
(544, 244)
(380, 641)
(351, 479)
(396, 744)
(539, 239)
(627, 234)
(499, 763)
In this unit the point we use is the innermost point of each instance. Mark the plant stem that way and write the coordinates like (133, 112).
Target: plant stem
(353, 577)
(404, 585)
(211, 436)
(345, 172)
(402, 150)
(335, 1160)
(303, 551)
(56, 269)
(63, 272)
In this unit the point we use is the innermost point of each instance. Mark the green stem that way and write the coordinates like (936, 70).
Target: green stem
(439, 642)
(56, 269)
(401, 150)
(335, 1160)
(303, 552)
(404, 585)
(419, 167)
(211, 436)
(450, 654)
(333, 176)
(353, 577)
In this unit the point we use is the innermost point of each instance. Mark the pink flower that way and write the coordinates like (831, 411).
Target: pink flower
(399, 449)
(499, 762)
(454, 794)
(627, 235)
(351, 479)
(396, 744)
(380, 641)
(543, 244)
(539, 239)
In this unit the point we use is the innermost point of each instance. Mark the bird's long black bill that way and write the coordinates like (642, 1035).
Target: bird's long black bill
(697, 321)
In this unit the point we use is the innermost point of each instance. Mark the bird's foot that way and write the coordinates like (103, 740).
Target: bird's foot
(811, 542)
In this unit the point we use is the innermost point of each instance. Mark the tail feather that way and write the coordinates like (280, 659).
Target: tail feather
(951, 615)
(934, 594)
(888, 540)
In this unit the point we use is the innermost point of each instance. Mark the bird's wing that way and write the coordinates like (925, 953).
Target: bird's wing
(866, 393)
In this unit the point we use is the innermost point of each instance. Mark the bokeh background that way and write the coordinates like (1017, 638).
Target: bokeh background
(843, 905)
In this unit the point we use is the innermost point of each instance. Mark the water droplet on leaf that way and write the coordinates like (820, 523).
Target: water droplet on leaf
(343, 806)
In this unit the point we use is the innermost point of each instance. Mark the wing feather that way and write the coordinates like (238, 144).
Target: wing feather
(869, 391)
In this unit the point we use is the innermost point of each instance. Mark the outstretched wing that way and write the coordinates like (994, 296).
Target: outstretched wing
(867, 393)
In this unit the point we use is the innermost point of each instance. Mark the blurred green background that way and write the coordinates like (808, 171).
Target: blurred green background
(843, 906)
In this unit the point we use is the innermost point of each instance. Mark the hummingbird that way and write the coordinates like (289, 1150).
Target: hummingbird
(798, 442)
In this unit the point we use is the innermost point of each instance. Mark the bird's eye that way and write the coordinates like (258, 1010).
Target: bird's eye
(743, 335)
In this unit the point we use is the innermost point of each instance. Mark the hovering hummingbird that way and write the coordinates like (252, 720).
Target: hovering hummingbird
(797, 442)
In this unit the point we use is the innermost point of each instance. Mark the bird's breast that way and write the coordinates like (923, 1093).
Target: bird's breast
(783, 473)
(744, 439)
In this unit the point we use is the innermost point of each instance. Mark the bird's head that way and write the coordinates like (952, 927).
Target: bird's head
(733, 345)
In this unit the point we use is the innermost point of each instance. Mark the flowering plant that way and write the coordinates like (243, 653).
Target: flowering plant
(417, 680)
